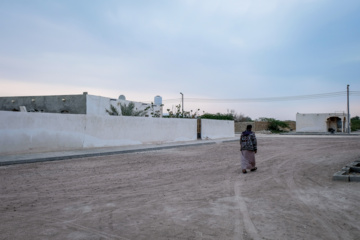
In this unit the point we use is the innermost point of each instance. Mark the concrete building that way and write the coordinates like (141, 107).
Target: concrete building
(76, 104)
(321, 122)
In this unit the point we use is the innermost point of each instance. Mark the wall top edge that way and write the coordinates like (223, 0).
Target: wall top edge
(29, 96)
(335, 113)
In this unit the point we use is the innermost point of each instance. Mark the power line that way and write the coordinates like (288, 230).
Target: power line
(268, 99)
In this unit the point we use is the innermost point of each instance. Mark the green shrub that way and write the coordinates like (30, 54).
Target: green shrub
(275, 125)
(355, 123)
(179, 114)
(218, 116)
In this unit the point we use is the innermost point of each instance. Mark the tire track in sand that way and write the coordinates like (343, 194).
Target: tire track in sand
(248, 223)
(293, 190)
(68, 223)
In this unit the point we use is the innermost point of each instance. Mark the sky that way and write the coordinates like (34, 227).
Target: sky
(220, 54)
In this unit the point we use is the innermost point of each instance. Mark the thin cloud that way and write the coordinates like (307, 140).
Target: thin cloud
(203, 48)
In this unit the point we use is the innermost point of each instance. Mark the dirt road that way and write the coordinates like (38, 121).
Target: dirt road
(188, 193)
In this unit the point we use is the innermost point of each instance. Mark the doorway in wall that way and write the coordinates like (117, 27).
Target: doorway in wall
(199, 129)
(334, 124)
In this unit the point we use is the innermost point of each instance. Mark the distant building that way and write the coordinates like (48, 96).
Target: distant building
(321, 122)
(75, 104)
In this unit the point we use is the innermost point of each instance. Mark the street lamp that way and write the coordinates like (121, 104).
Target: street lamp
(182, 102)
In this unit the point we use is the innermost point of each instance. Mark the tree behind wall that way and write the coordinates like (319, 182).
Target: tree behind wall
(275, 125)
(240, 117)
(218, 116)
(129, 110)
(126, 110)
(355, 123)
(179, 114)
(112, 111)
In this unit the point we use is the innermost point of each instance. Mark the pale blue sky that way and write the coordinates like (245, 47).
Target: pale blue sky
(206, 49)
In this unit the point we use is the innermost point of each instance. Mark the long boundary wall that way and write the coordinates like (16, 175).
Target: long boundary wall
(21, 132)
(39, 132)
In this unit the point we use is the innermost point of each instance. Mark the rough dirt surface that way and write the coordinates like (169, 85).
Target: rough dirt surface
(188, 193)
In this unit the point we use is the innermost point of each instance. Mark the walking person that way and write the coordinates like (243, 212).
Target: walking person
(248, 148)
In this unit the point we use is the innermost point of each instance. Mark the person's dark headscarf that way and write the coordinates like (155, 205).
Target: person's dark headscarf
(248, 130)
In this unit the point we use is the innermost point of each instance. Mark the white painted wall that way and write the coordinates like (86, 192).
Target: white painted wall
(310, 123)
(316, 122)
(22, 132)
(121, 130)
(96, 105)
(217, 129)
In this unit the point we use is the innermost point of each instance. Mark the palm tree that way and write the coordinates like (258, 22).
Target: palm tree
(126, 110)
(113, 111)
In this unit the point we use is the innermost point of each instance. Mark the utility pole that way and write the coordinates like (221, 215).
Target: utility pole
(348, 111)
(182, 103)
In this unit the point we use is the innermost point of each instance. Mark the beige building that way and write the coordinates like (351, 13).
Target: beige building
(321, 122)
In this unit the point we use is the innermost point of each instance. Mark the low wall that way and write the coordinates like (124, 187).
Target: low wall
(241, 126)
(261, 126)
(216, 129)
(24, 132)
(292, 125)
(256, 126)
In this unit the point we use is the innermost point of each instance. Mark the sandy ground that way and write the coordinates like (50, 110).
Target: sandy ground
(188, 193)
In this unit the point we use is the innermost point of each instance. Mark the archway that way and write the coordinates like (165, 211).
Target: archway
(334, 124)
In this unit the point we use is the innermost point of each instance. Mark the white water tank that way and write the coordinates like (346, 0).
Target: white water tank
(158, 100)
